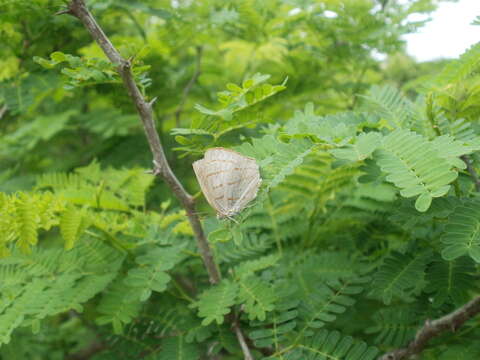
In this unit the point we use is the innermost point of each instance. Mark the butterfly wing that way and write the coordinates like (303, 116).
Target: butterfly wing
(244, 186)
(228, 180)
(211, 174)
(240, 180)
(201, 173)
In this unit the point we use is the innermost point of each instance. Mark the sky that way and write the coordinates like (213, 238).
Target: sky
(448, 34)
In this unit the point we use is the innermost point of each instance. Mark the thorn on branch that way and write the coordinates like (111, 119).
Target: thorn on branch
(453, 327)
(126, 64)
(151, 102)
(157, 169)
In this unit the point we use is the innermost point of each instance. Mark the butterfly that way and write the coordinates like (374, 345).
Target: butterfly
(228, 179)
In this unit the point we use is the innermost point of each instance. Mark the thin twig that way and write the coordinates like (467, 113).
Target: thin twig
(247, 355)
(471, 171)
(189, 85)
(452, 322)
(78, 9)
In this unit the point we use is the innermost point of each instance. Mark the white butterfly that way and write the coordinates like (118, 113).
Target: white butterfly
(229, 180)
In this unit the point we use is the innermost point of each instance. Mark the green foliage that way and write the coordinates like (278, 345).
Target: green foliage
(365, 224)
(323, 304)
(90, 186)
(30, 295)
(461, 233)
(391, 106)
(214, 303)
(177, 348)
(82, 72)
(280, 323)
(23, 215)
(237, 98)
(451, 281)
(394, 326)
(400, 276)
(117, 307)
(150, 274)
(208, 130)
(256, 296)
(415, 166)
(462, 68)
(333, 346)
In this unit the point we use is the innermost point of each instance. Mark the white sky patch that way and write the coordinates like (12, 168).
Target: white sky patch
(331, 14)
(294, 11)
(448, 34)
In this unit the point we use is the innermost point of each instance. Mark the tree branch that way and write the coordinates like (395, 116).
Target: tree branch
(187, 88)
(434, 328)
(247, 355)
(471, 171)
(78, 9)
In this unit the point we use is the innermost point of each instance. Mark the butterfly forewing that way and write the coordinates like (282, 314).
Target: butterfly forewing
(201, 172)
(216, 179)
(228, 180)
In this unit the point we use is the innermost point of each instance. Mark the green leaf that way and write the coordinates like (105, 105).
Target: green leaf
(364, 146)
(394, 326)
(414, 165)
(256, 297)
(451, 281)
(176, 348)
(461, 68)
(71, 226)
(27, 223)
(58, 57)
(332, 345)
(248, 268)
(424, 201)
(400, 276)
(462, 232)
(450, 149)
(151, 272)
(213, 304)
(220, 235)
(322, 304)
(234, 87)
(391, 105)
